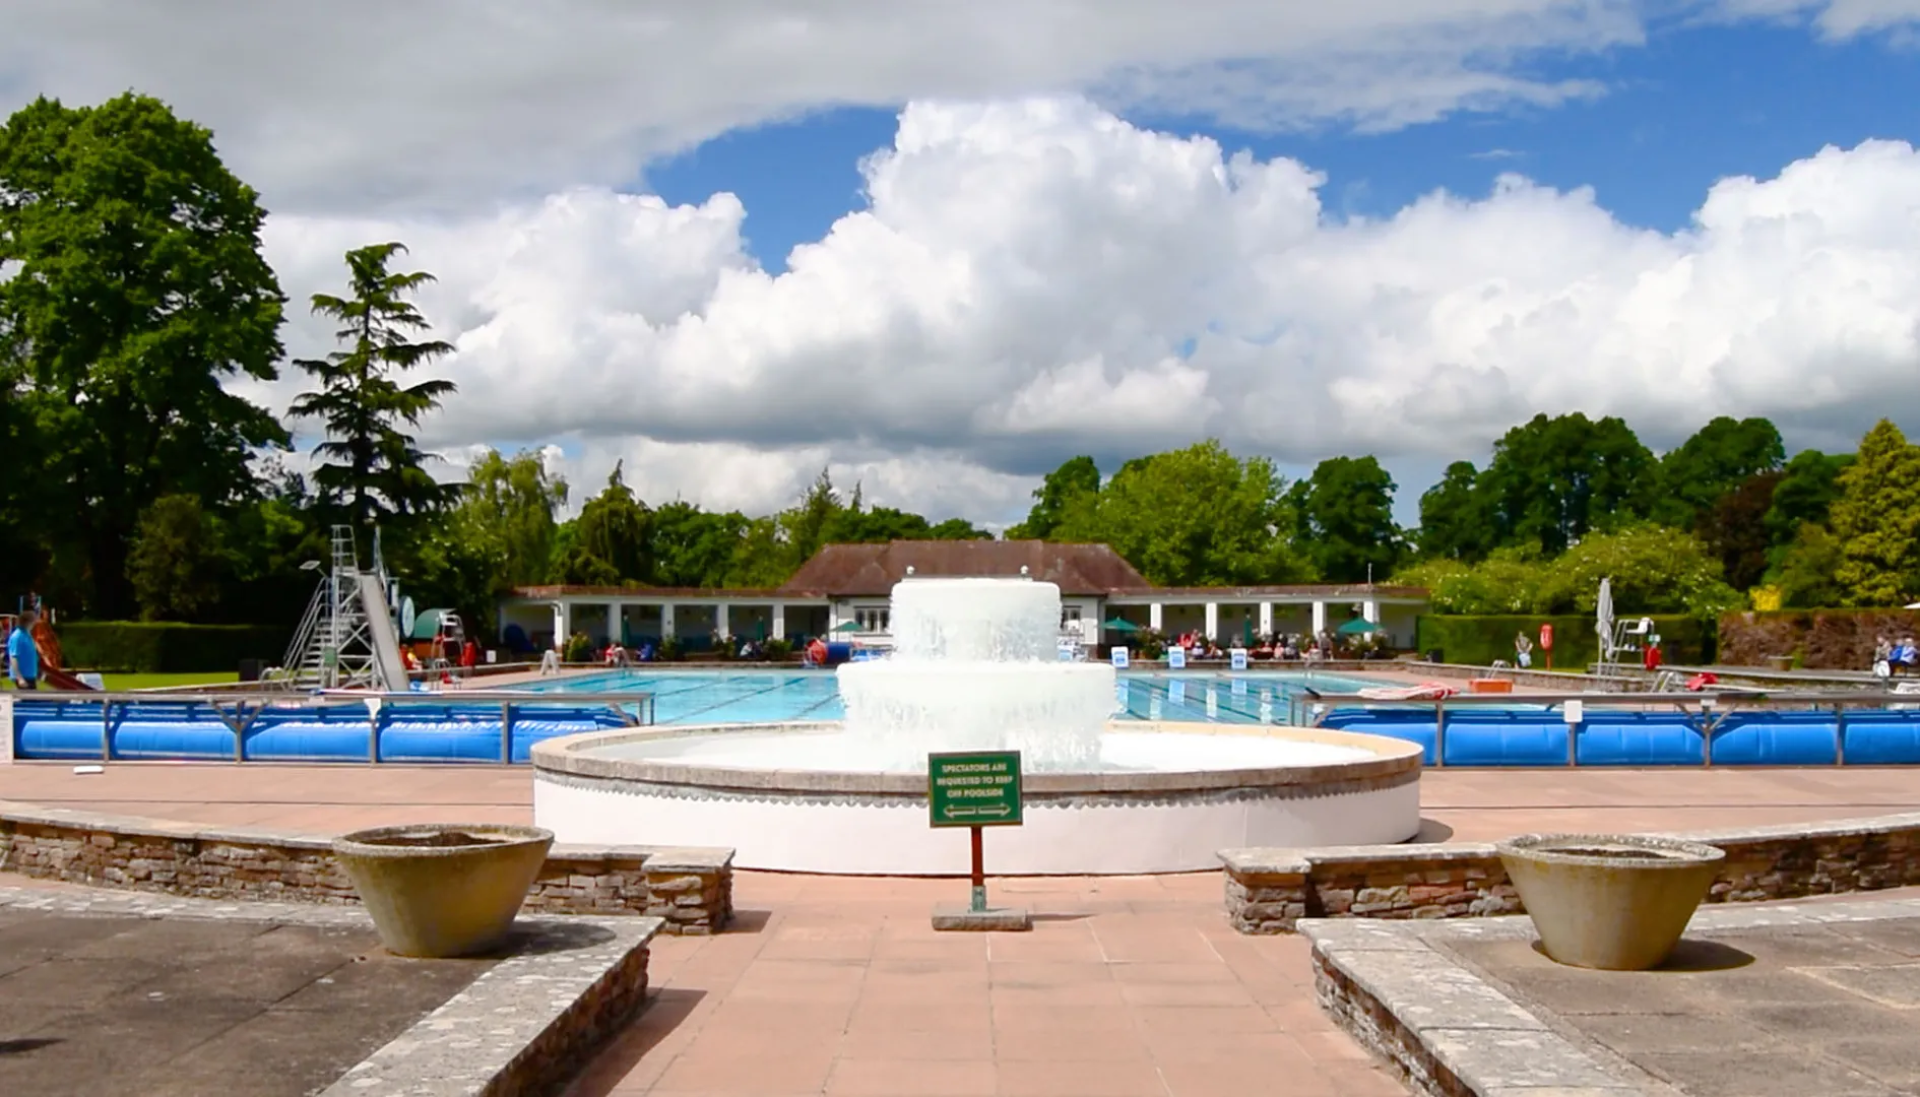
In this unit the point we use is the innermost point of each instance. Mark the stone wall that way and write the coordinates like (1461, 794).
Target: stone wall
(1269, 890)
(692, 889)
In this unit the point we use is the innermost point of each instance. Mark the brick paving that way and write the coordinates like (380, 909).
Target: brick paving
(1130, 985)
(1474, 804)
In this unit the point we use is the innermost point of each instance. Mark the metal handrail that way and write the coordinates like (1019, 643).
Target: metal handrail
(1712, 708)
(240, 711)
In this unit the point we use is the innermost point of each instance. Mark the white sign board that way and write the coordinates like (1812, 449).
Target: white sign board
(1176, 658)
(1120, 658)
(1237, 658)
(1575, 712)
(1069, 651)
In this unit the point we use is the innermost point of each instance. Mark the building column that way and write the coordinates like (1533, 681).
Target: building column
(1155, 617)
(1266, 619)
(721, 626)
(779, 629)
(1213, 620)
(615, 633)
(1319, 617)
(1370, 609)
(562, 622)
(666, 620)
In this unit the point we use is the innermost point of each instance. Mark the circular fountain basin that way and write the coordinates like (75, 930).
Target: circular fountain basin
(1164, 797)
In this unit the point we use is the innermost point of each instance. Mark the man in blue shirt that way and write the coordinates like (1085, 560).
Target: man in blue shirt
(23, 655)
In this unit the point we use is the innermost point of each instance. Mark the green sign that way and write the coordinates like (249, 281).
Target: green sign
(974, 790)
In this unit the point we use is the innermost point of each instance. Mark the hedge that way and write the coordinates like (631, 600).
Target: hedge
(166, 647)
(1481, 640)
(1816, 639)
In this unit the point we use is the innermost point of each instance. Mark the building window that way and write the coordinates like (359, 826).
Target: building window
(1069, 617)
(872, 618)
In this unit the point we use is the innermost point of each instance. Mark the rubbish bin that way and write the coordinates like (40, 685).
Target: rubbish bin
(250, 669)
(1436, 655)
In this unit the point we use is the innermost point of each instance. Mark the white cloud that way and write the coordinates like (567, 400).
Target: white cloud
(1037, 278)
(451, 103)
(1834, 19)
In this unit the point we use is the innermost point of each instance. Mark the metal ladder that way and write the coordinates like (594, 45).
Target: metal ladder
(333, 647)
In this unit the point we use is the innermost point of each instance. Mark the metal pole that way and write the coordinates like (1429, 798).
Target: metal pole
(1840, 734)
(506, 733)
(979, 873)
(1439, 734)
(106, 731)
(373, 734)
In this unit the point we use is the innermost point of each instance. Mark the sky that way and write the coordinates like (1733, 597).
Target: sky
(941, 248)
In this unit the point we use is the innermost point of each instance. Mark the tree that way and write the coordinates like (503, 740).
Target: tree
(1721, 456)
(958, 529)
(1455, 523)
(804, 527)
(371, 464)
(1345, 516)
(1808, 486)
(510, 505)
(1077, 479)
(137, 291)
(1877, 520)
(1192, 517)
(1552, 480)
(1734, 529)
(611, 539)
(1806, 573)
(175, 560)
(1654, 570)
(692, 547)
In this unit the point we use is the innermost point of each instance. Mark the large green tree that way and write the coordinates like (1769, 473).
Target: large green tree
(611, 542)
(1734, 529)
(1554, 479)
(1808, 486)
(1078, 479)
(370, 464)
(137, 291)
(1877, 520)
(175, 562)
(1455, 520)
(1721, 456)
(1193, 517)
(1345, 516)
(510, 504)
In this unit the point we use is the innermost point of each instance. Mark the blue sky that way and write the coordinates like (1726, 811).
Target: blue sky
(1015, 306)
(1693, 105)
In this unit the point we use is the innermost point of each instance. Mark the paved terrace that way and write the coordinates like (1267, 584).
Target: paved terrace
(1131, 985)
(1474, 804)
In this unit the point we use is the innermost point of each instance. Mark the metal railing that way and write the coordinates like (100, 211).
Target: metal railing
(239, 712)
(1706, 711)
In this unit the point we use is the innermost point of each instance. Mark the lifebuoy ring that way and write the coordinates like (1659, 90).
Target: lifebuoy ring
(817, 651)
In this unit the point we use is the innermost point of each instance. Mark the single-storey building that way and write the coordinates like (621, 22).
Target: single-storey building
(843, 591)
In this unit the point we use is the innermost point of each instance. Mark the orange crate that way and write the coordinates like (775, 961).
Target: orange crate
(1489, 685)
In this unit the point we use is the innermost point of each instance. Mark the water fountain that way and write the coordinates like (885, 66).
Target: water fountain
(974, 667)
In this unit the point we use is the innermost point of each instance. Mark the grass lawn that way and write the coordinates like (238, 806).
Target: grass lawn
(169, 681)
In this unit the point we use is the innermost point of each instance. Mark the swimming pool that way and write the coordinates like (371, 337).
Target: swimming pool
(767, 696)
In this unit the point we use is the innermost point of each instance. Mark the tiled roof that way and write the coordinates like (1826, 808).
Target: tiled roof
(872, 570)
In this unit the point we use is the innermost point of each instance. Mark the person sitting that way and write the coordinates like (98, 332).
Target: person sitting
(1907, 656)
(646, 653)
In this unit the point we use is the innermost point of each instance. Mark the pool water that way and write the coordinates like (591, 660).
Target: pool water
(769, 696)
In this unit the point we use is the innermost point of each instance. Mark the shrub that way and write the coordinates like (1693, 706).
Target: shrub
(167, 647)
(579, 649)
(1479, 640)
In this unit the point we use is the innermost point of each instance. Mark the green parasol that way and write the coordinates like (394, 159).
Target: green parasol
(1358, 625)
(847, 626)
(1120, 624)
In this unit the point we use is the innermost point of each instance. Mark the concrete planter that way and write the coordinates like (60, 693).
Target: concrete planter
(443, 889)
(1608, 901)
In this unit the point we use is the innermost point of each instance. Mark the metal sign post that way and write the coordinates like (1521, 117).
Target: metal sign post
(976, 790)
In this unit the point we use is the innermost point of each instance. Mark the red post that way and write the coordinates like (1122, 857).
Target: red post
(979, 872)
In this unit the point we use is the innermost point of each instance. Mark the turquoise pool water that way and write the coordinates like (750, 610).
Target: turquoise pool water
(761, 696)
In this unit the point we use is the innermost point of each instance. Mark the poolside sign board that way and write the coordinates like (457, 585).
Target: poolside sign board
(1176, 658)
(974, 789)
(1119, 656)
(1237, 659)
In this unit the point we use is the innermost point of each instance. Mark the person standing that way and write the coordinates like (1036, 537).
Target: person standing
(1522, 650)
(23, 655)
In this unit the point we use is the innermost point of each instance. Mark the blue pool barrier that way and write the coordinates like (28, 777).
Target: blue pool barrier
(195, 731)
(1539, 737)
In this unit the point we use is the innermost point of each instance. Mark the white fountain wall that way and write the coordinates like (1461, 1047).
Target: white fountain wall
(975, 667)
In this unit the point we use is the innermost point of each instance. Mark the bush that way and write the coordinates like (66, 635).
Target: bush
(579, 649)
(166, 647)
(777, 650)
(1480, 640)
(1817, 639)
